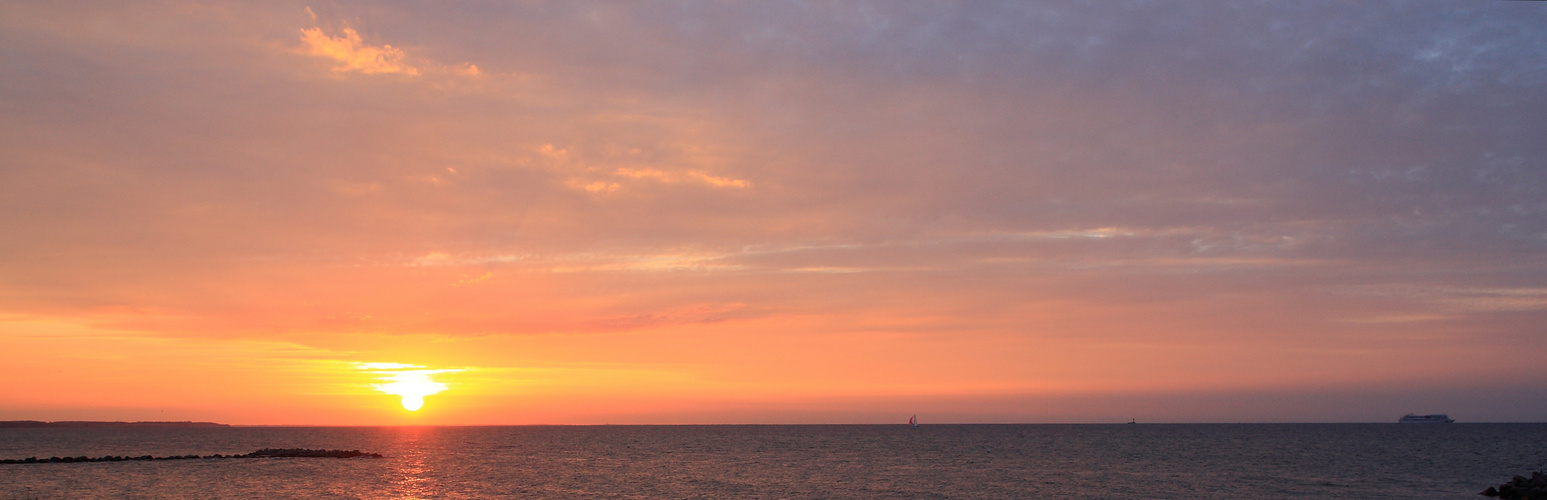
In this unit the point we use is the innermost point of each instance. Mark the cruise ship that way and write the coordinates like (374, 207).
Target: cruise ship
(1425, 419)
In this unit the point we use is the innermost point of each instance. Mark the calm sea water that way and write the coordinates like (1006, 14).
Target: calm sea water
(1234, 461)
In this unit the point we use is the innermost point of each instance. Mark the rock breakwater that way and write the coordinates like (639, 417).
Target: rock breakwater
(1521, 487)
(263, 453)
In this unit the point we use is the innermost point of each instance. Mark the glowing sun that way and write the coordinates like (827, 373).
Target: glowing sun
(410, 384)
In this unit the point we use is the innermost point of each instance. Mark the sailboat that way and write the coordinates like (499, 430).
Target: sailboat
(914, 421)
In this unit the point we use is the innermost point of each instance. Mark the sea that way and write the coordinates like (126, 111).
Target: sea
(1080, 461)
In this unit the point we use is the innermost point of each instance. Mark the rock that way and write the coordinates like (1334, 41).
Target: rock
(1521, 487)
(263, 453)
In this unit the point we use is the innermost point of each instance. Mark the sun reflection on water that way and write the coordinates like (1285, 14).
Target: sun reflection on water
(411, 475)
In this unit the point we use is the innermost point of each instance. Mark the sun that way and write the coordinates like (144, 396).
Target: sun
(413, 386)
(411, 382)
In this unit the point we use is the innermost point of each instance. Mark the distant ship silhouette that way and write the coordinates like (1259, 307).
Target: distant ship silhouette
(1411, 418)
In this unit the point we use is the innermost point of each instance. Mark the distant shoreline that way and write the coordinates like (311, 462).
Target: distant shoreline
(80, 424)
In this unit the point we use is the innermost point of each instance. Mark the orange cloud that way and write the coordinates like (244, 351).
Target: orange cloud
(551, 152)
(474, 280)
(689, 176)
(601, 187)
(574, 218)
(352, 54)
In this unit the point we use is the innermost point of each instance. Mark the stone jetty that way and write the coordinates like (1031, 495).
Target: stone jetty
(1521, 487)
(263, 453)
(90, 424)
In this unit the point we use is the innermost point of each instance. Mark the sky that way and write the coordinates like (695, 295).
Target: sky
(279, 213)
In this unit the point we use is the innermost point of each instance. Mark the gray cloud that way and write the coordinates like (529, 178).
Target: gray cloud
(1258, 158)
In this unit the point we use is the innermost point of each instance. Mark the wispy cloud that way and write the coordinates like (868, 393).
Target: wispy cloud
(1459, 299)
(998, 191)
(351, 53)
(688, 176)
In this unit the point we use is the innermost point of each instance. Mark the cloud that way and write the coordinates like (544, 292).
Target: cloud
(352, 54)
(596, 186)
(689, 176)
(386, 366)
(474, 280)
(1454, 299)
(981, 180)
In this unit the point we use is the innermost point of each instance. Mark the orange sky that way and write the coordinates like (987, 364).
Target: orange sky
(807, 213)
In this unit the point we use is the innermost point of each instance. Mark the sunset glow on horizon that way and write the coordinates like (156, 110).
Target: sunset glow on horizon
(554, 213)
(411, 383)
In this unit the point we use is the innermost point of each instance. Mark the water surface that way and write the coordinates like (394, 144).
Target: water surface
(1225, 461)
